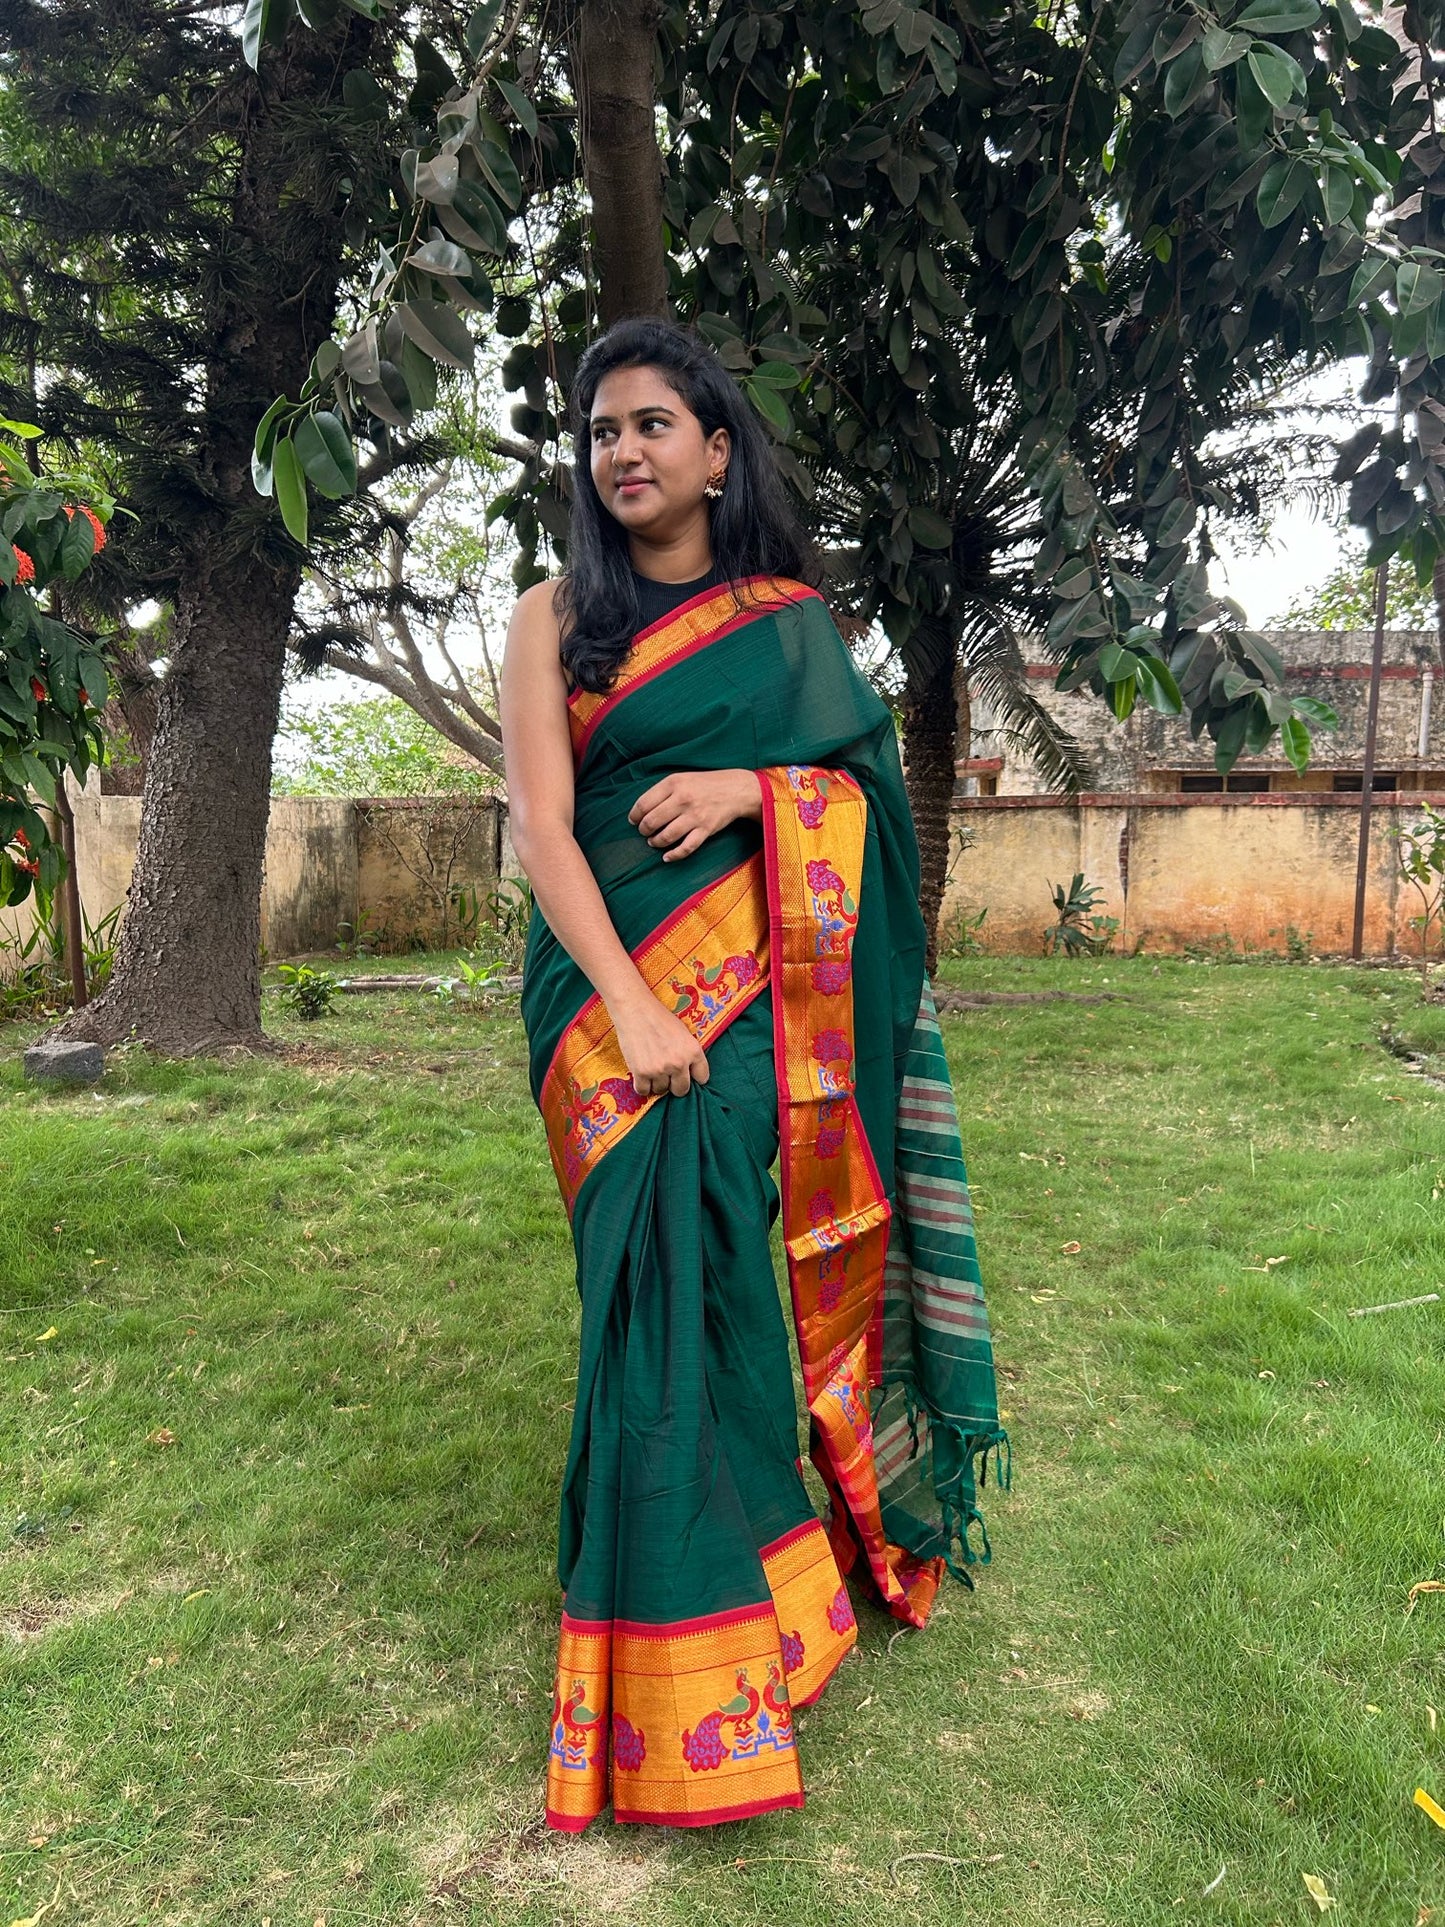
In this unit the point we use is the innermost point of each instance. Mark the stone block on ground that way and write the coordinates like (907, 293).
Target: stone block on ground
(61, 1063)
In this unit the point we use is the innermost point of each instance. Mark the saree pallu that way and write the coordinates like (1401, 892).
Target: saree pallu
(704, 1600)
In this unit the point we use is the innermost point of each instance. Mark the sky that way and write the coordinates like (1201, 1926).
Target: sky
(1301, 550)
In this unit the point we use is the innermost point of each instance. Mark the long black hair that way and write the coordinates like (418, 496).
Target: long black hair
(754, 530)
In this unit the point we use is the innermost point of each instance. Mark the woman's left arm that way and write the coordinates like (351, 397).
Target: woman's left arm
(679, 814)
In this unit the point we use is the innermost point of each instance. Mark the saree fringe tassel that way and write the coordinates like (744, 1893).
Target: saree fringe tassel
(705, 1602)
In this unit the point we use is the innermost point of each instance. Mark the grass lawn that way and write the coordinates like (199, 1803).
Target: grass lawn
(285, 1370)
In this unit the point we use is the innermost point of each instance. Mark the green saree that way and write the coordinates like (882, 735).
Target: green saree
(704, 1601)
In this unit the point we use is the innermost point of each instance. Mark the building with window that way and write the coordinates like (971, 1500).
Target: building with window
(1154, 755)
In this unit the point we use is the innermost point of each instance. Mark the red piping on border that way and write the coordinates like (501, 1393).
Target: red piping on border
(743, 615)
(711, 1818)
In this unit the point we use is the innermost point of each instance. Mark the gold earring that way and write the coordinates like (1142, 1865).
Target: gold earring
(714, 490)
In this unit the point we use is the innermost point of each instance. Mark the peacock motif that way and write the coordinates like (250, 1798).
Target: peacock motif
(840, 1613)
(748, 1724)
(573, 1725)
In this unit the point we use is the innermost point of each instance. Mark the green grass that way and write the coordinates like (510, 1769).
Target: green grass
(295, 1664)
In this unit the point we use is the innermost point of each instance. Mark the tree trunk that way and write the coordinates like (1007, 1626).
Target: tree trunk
(613, 55)
(930, 738)
(187, 972)
(130, 715)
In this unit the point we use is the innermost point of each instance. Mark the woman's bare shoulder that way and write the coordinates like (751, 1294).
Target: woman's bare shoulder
(536, 620)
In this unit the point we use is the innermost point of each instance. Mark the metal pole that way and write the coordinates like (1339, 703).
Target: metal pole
(1367, 778)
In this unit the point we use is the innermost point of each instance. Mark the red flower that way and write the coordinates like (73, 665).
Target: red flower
(95, 522)
(85, 695)
(25, 569)
(21, 837)
(38, 689)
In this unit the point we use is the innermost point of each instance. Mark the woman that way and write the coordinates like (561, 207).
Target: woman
(706, 796)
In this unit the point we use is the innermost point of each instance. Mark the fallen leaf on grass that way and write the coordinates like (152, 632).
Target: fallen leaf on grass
(30, 1920)
(1217, 1881)
(1071, 1249)
(1318, 1892)
(162, 1436)
(45, 1337)
(1427, 1805)
(1425, 1914)
(1423, 1585)
(204, 1593)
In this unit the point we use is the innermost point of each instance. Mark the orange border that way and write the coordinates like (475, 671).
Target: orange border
(704, 620)
(836, 1213)
(707, 963)
(691, 1723)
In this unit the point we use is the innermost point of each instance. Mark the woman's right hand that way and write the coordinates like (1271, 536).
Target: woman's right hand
(660, 1051)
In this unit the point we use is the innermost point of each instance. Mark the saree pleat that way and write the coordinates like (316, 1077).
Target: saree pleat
(704, 1599)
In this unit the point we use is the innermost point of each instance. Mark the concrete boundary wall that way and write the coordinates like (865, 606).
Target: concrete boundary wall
(329, 861)
(1174, 869)
(1181, 869)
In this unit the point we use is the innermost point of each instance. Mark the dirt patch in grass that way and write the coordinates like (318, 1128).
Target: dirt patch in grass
(603, 1877)
(34, 1620)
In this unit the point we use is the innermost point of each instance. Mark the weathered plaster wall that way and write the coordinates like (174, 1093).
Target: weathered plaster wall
(1184, 869)
(327, 861)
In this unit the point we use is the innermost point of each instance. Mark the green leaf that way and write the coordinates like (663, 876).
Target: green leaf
(77, 546)
(782, 374)
(480, 23)
(1175, 524)
(1416, 287)
(1115, 664)
(1283, 188)
(769, 403)
(1337, 186)
(439, 330)
(525, 112)
(1220, 48)
(1229, 738)
(362, 93)
(1161, 691)
(27, 431)
(94, 681)
(16, 465)
(421, 375)
(1316, 712)
(1122, 697)
(1185, 79)
(1278, 75)
(929, 528)
(264, 24)
(1278, 16)
(1372, 277)
(1296, 740)
(498, 168)
(324, 450)
(265, 442)
(440, 256)
(290, 483)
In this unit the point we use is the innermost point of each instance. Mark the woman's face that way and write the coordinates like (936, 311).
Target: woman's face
(651, 460)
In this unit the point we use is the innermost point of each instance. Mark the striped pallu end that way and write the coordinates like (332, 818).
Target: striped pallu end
(935, 1412)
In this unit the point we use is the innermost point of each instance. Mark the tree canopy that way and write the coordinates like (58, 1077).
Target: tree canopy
(1127, 203)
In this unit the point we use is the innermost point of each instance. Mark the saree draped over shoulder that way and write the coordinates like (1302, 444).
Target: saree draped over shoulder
(704, 1601)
